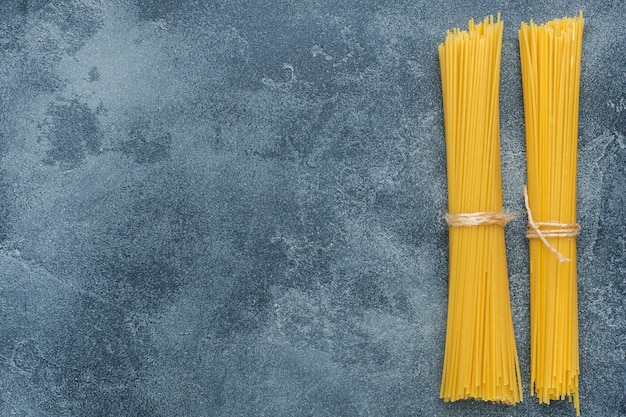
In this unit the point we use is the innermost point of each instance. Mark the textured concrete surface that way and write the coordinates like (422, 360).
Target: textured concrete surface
(233, 208)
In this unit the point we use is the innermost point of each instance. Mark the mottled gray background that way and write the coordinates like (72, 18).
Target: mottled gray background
(233, 208)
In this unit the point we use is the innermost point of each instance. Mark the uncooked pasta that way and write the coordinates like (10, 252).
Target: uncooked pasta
(480, 359)
(551, 58)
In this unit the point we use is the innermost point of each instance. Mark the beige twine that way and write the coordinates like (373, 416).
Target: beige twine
(552, 229)
(480, 218)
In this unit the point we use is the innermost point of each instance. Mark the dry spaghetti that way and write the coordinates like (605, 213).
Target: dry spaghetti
(550, 58)
(480, 359)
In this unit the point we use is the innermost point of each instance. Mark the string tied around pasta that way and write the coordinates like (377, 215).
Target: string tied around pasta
(545, 230)
(480, 218)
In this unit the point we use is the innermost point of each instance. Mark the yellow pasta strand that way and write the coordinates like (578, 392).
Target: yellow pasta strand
(480, 359)
(550, 59)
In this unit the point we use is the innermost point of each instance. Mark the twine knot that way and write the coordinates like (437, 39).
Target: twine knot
(545, 230)
(480, 218)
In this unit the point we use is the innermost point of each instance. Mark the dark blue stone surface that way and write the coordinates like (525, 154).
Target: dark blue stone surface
(234, 208)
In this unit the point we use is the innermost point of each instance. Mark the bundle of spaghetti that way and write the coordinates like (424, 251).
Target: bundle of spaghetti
(480, 359)
(550, 58)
